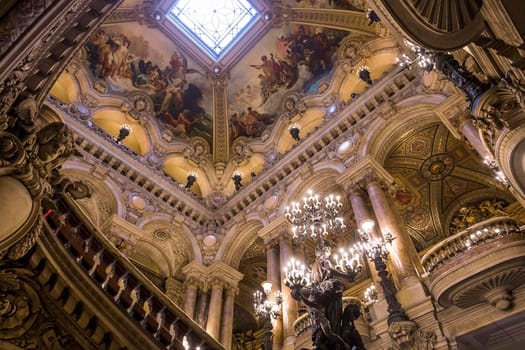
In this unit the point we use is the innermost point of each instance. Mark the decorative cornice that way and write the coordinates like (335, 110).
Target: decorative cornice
(225, 273)
(354, 21)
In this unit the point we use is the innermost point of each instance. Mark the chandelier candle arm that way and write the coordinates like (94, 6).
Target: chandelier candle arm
(296, 275)
(315, 218)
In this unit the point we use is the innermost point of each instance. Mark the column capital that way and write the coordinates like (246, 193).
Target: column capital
(195, 275)
(271, 243)
(219, 271)
(231, 290)
(275, 229)
(192, 281)
(367, 169)
(216, 282)
(194, 268)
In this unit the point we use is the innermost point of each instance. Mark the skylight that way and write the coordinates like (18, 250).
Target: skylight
(214, 25)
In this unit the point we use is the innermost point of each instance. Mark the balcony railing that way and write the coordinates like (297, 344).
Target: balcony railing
(135, 295)
(476, 235)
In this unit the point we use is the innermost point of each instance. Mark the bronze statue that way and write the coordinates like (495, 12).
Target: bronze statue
(332, 329)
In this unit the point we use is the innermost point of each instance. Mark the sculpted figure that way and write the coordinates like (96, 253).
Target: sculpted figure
(54, 143)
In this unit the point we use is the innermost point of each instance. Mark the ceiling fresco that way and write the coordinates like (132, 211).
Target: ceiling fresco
(130, 57)
(189, 114)
(288, 59)
(440, 183)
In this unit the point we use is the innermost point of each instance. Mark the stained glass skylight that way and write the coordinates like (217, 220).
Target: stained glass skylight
(215, 25)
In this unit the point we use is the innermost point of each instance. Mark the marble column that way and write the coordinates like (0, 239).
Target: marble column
(202, 305)
(471, 133)
(289, 305)
(190, 297)
(403, 252)
(273, 275)
(223, 280)
(361, 213)
(215, 308)
(227, 317)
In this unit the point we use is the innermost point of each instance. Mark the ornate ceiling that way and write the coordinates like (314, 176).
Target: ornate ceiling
(436, 175)
(192, 113)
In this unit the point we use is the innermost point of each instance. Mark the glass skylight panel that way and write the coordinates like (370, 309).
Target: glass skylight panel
(214, 25)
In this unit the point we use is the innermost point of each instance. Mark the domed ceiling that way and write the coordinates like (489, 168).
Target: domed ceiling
(214, 93)
(441, 185)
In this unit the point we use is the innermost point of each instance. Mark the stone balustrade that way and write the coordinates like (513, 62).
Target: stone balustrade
(302, 324)
(476, 235)
(136, 296)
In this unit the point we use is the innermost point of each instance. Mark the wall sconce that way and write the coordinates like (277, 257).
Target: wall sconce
(363, 73)
(237, 178)
(192, 177)
(294, 130)
(124, 131)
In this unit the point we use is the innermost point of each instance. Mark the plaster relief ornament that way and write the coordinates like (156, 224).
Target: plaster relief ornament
(198, 151)
(241, 152)
(19, 306)
(26, 112)
(54, 144)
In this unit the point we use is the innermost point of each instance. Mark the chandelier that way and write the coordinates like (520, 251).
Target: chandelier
(373, 248)
(264, 307)
(315, 218)
(319, 286)
(266, 310)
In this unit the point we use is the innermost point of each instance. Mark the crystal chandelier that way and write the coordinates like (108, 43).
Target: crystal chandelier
(315, 218)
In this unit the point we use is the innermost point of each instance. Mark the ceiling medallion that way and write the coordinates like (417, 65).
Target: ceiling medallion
(437, 167)
(214, 26)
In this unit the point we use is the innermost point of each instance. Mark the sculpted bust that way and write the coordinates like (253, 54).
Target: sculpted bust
(54, 143)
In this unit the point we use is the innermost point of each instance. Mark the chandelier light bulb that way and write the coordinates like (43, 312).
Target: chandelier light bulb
(367, 225)
(267, 287)
(371, 294)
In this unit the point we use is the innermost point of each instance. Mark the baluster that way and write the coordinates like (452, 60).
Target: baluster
(173, 331)
(86, 245)
(146, 307)
(135, 296)
(160, 322)
(96, 262)
(110, 271)
(122, 284)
